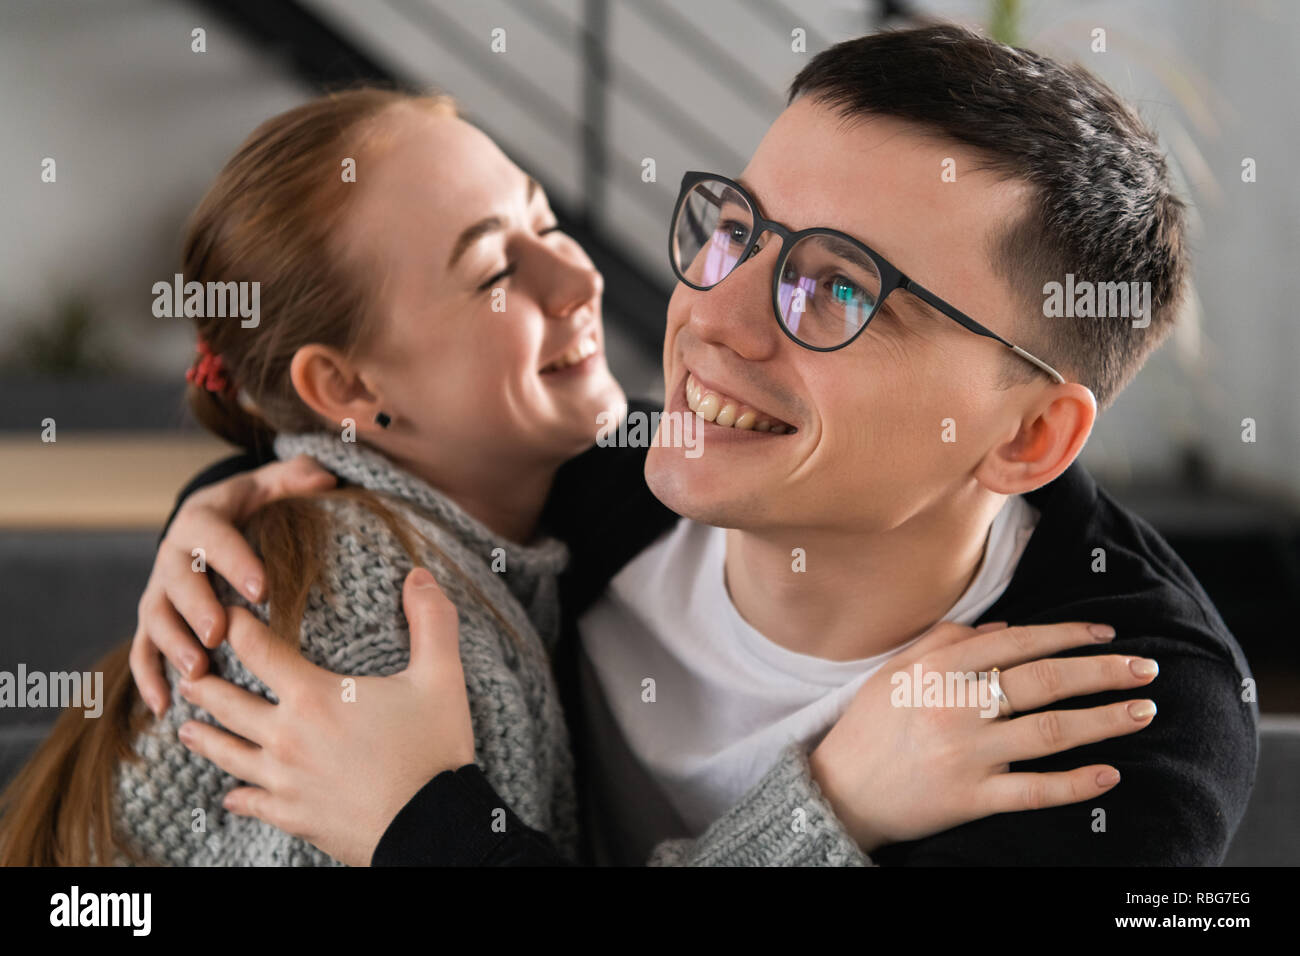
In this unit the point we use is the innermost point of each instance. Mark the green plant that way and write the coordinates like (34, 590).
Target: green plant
(63, 344)
(1004, 21)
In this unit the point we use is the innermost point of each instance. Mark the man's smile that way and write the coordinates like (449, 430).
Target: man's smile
(716, 406)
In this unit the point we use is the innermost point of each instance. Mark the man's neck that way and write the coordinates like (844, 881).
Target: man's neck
(860, 594)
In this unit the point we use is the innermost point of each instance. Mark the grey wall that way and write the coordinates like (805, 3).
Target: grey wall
(139, 124)
(1218, 81)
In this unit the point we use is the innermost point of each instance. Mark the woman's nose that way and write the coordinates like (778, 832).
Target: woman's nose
(569, 285)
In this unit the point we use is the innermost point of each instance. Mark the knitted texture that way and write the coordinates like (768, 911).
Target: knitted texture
(168, 805)
(782, 821)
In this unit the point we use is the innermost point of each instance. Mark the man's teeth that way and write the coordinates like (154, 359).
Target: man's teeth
(585, 349)
(727, 412)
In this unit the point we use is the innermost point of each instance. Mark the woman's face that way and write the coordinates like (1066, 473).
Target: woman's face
(489, 351)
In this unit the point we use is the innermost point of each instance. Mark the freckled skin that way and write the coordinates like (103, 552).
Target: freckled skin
(460, 377)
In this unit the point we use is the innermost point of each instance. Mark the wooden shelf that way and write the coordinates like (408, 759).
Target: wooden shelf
(98, 480)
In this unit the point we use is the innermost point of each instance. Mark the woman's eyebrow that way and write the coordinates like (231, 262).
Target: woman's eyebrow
(486, 226)
(473, 234)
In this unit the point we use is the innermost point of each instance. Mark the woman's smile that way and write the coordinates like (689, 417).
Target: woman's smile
(577, 359)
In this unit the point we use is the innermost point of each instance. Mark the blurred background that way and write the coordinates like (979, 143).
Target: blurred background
(587, 92)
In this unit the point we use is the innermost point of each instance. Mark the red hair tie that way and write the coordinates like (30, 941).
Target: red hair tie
(209, 372)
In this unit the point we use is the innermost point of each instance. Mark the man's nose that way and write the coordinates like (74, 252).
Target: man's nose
(737, 312)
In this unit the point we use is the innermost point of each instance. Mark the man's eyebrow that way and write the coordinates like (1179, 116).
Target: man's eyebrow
(485, 226)
(753, 194)
(842, 247)
(903, 304)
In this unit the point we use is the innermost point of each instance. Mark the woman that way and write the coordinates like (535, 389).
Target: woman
(355, 359)
(428, 337)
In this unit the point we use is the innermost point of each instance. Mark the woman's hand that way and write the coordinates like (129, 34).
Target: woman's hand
(895, 773)
(177, 595)
(332, 770)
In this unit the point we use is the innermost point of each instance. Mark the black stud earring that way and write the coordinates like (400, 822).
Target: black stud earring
(382, 420)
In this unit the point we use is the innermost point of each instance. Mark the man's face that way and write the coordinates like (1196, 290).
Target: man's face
(867, 451)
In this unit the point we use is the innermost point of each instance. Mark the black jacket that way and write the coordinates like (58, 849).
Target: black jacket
(1185, 779)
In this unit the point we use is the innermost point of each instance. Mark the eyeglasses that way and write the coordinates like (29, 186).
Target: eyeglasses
(826, 287)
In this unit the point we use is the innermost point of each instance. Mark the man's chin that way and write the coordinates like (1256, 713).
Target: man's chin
(687, 487)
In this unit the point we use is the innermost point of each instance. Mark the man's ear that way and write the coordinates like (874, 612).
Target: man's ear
(1050, 437)
(331, 386)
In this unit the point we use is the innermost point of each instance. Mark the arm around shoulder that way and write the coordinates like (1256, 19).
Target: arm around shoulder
(782, 821)
(1184, 783)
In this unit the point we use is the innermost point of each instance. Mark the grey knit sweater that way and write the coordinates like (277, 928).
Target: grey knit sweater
(169, 802)
(354, 624)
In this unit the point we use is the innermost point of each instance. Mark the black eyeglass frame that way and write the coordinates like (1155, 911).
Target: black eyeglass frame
(891, 278)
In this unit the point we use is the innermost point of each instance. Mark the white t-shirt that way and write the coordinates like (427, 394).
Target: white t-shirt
(727, 699)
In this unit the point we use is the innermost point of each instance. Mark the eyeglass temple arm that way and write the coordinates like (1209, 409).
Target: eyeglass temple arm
(961, 318)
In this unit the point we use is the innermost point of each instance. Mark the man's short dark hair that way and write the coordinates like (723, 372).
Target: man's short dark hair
(1103, 208)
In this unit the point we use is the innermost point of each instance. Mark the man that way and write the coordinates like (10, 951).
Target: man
(893, 421)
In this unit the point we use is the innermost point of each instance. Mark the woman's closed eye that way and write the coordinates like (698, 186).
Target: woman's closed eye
(501, 276)
(510, 267)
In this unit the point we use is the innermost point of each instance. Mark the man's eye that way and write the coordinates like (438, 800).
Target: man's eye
(843, 290)
(735, 232)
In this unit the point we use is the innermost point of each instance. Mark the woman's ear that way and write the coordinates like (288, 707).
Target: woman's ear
(331, 386)
(1049, 438)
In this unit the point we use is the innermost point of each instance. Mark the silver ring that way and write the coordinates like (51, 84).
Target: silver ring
(995, 685)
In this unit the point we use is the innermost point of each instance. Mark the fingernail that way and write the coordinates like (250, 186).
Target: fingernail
(185, 734)
(991, 626)
(205, 628)
(1108, 777)
(253, 588)
(422, 579)
(155, 705)
(1102, 632)
(191, 661)
(184, 686)
(1143, 667)
(1142, 709)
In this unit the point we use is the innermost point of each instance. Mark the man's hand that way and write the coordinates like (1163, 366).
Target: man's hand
(897, 773)
(177, 595)
(333, 771)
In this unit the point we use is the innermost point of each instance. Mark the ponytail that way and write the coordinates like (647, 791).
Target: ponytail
(58, 811)
(223, 416)
(272, 216)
